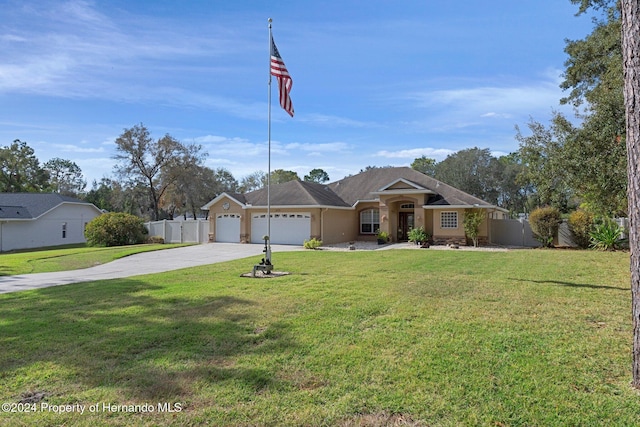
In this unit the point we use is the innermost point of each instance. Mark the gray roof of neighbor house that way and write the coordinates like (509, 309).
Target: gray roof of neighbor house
(362, 186)
(31, 205)
(295, 193)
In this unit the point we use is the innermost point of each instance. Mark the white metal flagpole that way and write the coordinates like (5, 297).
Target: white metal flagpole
(268, 242)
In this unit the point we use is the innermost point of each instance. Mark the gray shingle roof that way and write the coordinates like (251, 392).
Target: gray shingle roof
(296, 193)
(31, 205)
(363, 186)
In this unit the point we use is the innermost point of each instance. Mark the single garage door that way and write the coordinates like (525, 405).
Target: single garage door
(228, 228)
(286, 228)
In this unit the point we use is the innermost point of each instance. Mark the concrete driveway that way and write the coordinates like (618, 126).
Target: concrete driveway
(146, 263)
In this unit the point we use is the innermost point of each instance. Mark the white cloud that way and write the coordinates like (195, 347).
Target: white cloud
(486, 100)
(70, 148)
(413, 153)
(328, 120)
(329, 147)
(497, 115)
(216, 139)
(479, 106)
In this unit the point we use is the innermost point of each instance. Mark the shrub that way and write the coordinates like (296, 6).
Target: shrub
(580, 225)
(155, 240)
(418, 235)
(382, 236)
(471, 222)
(115, 229)
(606, 235)
(312, 244)
(544, 223)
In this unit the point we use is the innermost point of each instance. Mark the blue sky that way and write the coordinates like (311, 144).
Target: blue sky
(375, 82)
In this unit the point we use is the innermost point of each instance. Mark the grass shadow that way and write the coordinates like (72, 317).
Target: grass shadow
(572, 284)
(129, 335)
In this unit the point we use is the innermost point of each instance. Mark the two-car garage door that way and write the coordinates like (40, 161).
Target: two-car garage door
(286, 228)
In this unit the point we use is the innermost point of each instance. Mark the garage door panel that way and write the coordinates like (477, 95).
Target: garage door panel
(228, 228)
(286, 228)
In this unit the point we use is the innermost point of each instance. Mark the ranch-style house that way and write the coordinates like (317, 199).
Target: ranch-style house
(393, 199)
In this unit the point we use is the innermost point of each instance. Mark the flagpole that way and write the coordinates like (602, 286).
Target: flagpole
(268, 243)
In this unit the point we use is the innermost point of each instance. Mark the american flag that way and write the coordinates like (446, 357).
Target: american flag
(279, 70)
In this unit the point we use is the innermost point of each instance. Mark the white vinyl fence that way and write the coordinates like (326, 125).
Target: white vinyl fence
(175, 231)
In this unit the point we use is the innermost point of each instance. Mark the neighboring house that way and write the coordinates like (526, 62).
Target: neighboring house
(34, 220)
(394, 200)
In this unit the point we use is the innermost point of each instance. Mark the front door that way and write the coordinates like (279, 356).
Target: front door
(405, 224)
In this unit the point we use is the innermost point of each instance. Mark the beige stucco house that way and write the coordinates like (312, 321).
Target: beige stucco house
(394, 200)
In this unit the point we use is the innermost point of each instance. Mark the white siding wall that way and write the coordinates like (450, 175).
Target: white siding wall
(47, 230)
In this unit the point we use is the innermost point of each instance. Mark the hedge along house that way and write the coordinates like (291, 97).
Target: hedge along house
(394, 200)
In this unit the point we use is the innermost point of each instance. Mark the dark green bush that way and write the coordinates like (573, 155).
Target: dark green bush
(115, 229)
(581, 224)
(544, 223)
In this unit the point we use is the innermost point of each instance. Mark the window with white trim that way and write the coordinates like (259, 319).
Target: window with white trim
(448, 219)
(369, 221)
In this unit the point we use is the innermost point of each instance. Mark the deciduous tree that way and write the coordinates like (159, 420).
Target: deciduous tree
(20, 169)
(280, 176)
(252, 182)
(474, 171)
(65, 177)
(425, 165)
(317, 175)
(595, 153)
(155, 165)
(542, 153)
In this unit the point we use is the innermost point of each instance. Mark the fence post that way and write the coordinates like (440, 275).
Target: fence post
(164, 230)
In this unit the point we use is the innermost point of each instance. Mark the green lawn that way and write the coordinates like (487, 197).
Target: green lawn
(420, 337)
(68, 258)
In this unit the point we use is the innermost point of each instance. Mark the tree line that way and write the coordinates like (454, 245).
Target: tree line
(153, 178)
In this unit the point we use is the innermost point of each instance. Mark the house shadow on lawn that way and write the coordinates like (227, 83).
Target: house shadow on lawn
(122, 335)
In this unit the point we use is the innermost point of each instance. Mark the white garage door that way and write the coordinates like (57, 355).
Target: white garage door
(286, 228)
(228, 228)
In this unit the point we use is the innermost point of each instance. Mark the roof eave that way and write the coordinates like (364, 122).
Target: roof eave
(404, 191)
(365, 201)
(250, 206)
(220, 197)
(474, 206)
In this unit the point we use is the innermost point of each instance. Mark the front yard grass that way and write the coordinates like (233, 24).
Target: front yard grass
(421, 337)
(69, 258)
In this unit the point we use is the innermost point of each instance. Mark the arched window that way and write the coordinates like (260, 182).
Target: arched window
(369, 221)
